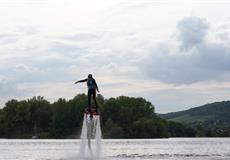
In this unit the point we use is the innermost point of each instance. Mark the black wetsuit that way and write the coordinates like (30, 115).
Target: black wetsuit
(92, 87)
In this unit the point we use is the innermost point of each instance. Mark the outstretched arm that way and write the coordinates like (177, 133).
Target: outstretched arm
(84, 80)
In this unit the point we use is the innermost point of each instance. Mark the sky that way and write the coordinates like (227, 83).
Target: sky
(174, 53)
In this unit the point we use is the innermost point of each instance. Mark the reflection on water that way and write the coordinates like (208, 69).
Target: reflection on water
(160, 149)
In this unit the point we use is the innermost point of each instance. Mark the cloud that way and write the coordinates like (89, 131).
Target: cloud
(197, 60)
(65, 48)
(8, 38)
(127, 54)
(223, 33)
(22, 67)
(68, 58)
(4, 87)
(7, 88)
(81, 37)
(192, 31)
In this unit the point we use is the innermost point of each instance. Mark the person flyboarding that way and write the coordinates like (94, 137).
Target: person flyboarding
(92, 88)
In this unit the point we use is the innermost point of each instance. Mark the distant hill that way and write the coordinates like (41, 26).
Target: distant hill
(214, 115)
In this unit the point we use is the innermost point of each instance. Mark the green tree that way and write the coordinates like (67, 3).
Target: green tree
(121, 117)
(144, 128)
(112, 130)
(40, 112)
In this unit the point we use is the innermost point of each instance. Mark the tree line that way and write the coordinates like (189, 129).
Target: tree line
(121, 117)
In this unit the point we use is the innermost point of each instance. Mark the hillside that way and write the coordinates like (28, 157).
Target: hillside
(209, 115)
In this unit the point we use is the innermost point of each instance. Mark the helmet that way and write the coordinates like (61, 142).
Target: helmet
(90, 76)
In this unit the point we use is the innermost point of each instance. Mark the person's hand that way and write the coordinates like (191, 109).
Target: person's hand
(98, 91)
(75, 82)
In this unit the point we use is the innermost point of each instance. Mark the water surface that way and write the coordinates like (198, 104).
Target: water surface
(138, 149)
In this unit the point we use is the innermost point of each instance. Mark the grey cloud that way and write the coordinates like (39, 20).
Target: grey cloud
(215, 57)
(4, 36)
(192, 31)
(99, 51)
(21, 66)
(8, 38)
(67, 49)
(7, 88)
(82, 37)
(18, 34)
(28, 30)
(223, 32)
(224, 36)
(210, 62)
(49, 63)
(37, 68)
(207, 61)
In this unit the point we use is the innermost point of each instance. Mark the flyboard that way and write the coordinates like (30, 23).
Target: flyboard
(91, 132)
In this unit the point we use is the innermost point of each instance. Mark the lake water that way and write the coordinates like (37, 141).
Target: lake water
(140, 149)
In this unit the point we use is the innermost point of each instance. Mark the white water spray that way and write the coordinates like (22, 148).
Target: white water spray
(91, 132)
(98, 138)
